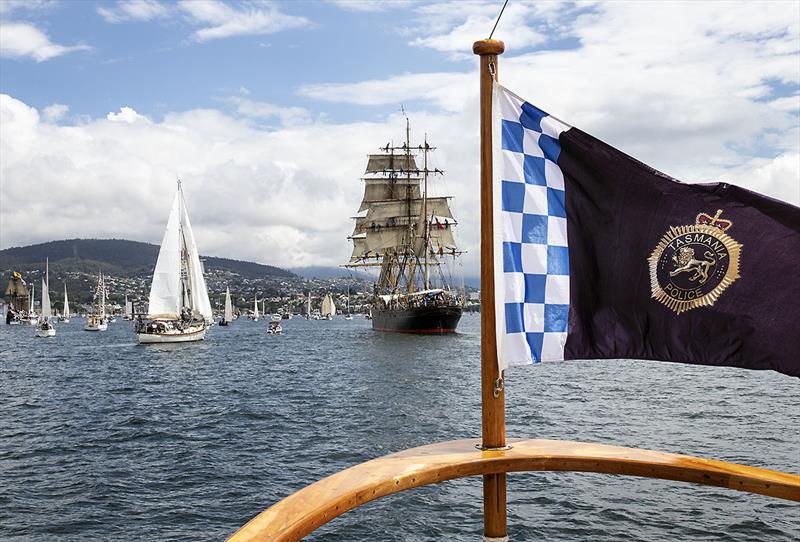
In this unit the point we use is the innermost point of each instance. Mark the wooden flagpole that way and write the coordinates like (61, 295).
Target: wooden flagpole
(492, 394)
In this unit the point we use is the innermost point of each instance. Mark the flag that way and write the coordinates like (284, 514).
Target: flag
(599, 256)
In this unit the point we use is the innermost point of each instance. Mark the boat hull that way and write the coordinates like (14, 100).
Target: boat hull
(46, 332)
(95, 327)
(423, 320)
(172, 337)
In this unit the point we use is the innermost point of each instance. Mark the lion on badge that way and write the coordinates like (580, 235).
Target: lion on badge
(685, 262)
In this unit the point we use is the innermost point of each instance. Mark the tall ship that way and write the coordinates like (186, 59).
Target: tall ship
(179, 309)
(18, 299)
(408, 235)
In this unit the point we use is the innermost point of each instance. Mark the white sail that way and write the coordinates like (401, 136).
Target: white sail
(228, 306)
(165, 291)
(328, 306)
(102, 296)
(46, 310)
(200, 302)
(66, 303)
(255, 307)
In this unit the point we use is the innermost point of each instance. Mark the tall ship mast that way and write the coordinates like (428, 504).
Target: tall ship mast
(408, 235)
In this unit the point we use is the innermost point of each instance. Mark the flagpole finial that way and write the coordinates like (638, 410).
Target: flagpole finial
(488, 47)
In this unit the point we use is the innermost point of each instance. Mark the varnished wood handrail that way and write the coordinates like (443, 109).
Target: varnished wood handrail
(313, 506)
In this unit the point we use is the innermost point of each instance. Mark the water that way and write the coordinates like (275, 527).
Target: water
(102, 439)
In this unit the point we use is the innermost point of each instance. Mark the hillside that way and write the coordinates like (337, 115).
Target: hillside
(116, 257)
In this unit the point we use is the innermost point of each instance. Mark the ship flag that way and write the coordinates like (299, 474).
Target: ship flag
(599, 256)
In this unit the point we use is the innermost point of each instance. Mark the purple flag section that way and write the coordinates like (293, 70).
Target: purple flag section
(661, 270)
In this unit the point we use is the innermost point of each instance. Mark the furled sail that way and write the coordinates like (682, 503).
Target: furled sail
(46, 309)
(228, 306)
(165, 291)
(199, 302)
(255, 307)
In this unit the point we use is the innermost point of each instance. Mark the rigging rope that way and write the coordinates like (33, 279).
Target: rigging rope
(498, 19)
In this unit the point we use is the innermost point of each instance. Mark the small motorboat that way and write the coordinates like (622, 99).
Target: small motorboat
(274, 328)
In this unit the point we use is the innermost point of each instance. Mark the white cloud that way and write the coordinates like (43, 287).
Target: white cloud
(133, 10)
(249, 190)
(453, 27)
(20, 40)
(262, 110)
(448, 91)
(55, 112)
(372, 5)
(127, 114)
(9, 6)
(223, 21)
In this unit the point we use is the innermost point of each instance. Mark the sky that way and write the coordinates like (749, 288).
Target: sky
(267, 110)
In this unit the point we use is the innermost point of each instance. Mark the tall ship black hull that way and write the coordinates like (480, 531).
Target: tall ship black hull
(423, 320)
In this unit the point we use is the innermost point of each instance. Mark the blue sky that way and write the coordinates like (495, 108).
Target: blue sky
(267, 110)
(156, 66)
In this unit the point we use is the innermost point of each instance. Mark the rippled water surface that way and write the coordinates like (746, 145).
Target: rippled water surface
(101, 439)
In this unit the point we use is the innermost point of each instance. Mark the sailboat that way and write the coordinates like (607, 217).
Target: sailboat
(65, 316)
(179, 308)
(97, 320)
(407, 234)
(128, 309)
(328, 309)
(227, 317)
(308, 306)
(44, 328)
(348, 315)
(255, 309)
(32, 318)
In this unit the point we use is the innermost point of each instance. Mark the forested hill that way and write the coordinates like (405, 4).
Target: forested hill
(116, 257)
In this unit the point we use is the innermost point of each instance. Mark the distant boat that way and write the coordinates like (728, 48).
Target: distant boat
(44, 328)
(227, 317)
(31, 317)
(255, 309)
(179, 308)
(65, 316)
(308, 306)
(274, 327)
(348, 315)
(328, 309)
(128, 309)
(97, 320)
(276, 317)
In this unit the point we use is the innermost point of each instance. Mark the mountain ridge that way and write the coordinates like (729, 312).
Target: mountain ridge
(117, 256)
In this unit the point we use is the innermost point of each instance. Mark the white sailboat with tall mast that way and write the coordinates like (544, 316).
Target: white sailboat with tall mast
(179, 309)
(65, 315)
(44, 328)
(128, 309)
(97, 319)
(255, 309)
(348, 315)
(227, 315)
(32, 318)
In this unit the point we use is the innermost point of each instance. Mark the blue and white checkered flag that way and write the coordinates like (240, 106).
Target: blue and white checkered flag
(530, 219)
(599, 256)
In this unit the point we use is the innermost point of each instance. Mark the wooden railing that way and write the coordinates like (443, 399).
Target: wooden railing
(306, 510)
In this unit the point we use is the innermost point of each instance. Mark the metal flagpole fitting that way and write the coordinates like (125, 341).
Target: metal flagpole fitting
(493, 421)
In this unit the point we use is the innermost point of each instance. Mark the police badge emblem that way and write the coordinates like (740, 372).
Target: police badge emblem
(693, 265)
